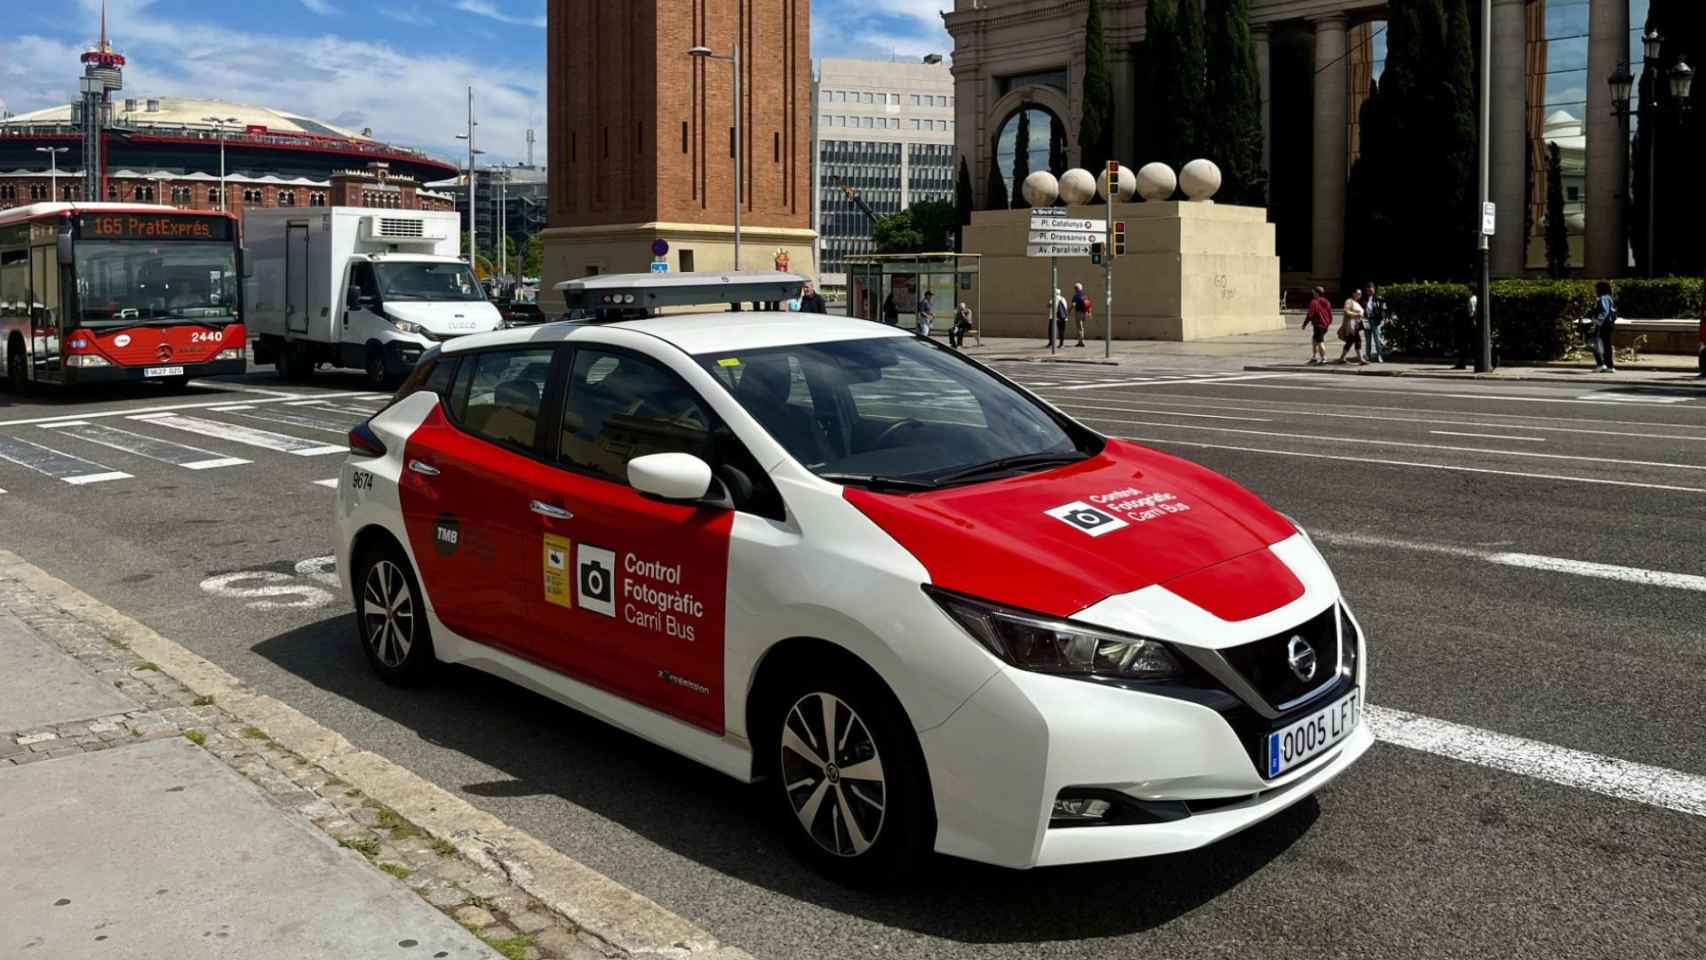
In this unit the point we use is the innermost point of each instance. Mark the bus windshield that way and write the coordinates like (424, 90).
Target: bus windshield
(415, 280)
(127, 282)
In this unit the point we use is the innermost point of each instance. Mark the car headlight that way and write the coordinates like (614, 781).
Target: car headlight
(1043, 645)
(408, 326)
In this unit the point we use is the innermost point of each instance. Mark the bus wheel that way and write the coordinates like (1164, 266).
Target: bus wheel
(17, 374)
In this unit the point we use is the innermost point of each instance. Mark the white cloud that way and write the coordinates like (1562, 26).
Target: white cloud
(321, 7)
(486, 8)
(408, 98)
(413, 16)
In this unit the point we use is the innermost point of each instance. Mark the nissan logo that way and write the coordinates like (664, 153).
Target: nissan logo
(1301, 656)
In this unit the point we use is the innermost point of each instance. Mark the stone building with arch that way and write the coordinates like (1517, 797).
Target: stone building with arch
(1316, 59)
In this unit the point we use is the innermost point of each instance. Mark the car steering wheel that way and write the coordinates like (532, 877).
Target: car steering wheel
(883, 437)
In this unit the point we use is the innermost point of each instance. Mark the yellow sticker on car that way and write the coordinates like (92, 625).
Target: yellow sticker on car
(729, 362)
(556, 561)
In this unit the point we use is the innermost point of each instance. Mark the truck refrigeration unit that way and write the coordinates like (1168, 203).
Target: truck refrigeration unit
(370, 289)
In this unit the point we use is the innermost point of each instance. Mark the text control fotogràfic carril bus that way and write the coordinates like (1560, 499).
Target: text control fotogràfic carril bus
(106, 292)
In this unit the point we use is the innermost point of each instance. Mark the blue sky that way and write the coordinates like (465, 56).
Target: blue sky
(398, 66)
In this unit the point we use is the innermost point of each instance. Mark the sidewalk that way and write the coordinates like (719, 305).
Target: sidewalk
(153, 806)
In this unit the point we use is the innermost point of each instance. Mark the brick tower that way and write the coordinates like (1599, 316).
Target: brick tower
(641, 135)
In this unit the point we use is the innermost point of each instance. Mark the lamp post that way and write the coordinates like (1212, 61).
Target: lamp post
(473, 219)
(219, 125)
(53, 169)
(734, 62)
(1680, 77)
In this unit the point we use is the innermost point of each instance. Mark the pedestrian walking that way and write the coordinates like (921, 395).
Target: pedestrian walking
(891, 312)
(962, 326)
(1469, 334)
(1604, 325)
(1057, 321)
(926, 313)
(1374, 314)
(1318, 321)
(1350, 328)
(811, 301)
(1080, 311)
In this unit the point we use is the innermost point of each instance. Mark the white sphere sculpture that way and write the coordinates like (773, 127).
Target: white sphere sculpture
(1125, 189)
(1200, 179)
(1040, 188)
(1156, 181)
(1076, 186)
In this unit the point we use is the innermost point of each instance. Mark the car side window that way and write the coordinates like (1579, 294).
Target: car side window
(621, 406)
(498, 395)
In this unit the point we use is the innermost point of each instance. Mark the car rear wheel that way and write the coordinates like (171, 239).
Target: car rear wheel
(390, 618)
(854, 797)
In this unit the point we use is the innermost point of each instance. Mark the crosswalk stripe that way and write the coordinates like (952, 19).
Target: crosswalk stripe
(96, 477)
(149, 448)
(331, 482)
(248, 436)
(306, 423)
(54, 463)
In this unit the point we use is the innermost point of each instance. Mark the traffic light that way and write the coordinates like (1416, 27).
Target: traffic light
(1119, 238)
(1095, 253)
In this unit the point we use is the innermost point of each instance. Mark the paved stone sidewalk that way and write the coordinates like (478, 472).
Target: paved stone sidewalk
(301, 905)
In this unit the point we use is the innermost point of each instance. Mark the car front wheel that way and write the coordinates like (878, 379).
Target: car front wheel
(854, 795)
(391, 618)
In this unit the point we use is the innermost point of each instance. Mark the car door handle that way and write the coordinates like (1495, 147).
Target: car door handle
(424, 469)
(546, 510)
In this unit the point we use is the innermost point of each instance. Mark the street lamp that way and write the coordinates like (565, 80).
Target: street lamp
(53, 168)
(734, 62)
(473, 223)
(1680, 77)
(219, 124)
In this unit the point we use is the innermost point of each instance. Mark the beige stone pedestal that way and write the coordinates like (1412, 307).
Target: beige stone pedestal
(1191, 271)
(573, 252)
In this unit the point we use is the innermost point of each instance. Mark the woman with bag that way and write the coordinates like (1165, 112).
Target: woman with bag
(1350, 328)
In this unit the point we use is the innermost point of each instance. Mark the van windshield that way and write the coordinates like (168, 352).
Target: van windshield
(402, 280)
(126, 282)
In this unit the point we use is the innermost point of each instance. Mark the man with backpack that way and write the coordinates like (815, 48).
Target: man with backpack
(1604, 325)
(1057, 321)
(1080, 310)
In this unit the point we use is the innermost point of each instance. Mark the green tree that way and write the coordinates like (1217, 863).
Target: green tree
(924, 227)
(1679, 139)
(1178, 74)
(1365, 222)
(1021, 160)
(1096, 119)
(1233, 103)
(1557, 231)
(1057, 162)
(963, 205)
(995, 189)
(1459, 230)
(533, 257)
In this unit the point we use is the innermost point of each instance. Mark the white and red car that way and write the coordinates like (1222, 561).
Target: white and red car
(931, 610)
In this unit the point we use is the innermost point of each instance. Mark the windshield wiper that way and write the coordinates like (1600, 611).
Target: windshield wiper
(1005, 464)
(876, 482)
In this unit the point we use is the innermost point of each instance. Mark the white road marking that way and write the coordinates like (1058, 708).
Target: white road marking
(1172, 379)
(54, 463)
(1415, 446)
(1595, 773)
(1163, 413)
(233, 409)
(1514, 398)
(329, 482)
(150, 448)
(1579, 568)
(1164, 441)
(323, 569)
(248, 436)
(290, 420)
(1631, 398)
(1486, 436)
(167, 408)
(271, 592)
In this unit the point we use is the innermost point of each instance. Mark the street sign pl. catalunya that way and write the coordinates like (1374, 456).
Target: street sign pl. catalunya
(1072, 224)
(1055, 234)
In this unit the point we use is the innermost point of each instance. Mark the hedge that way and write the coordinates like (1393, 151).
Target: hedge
(1532, 319)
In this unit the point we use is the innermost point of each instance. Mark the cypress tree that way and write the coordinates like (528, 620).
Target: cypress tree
(1189, 78)
(1159, 44)
(1096, 122)
(1365, 223)
(995, 189)
(1057, 163)
(1021, 160)
(963, 204)
(1557, 231)
(1233, 105)
(1407, 188)
(1459, 183)
(1679, 139)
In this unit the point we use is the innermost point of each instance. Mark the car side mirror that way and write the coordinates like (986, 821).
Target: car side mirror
(679, 477)
(352, 298)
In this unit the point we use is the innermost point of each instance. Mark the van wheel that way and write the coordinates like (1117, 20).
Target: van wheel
(377, 378)
(849, 779)
(390, 617)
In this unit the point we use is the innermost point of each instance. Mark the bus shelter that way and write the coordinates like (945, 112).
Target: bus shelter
(953, 277)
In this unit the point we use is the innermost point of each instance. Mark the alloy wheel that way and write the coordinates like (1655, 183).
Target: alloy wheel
(833, 774)
(388, 613)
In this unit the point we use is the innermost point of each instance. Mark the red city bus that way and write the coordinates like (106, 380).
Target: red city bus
(105, 292)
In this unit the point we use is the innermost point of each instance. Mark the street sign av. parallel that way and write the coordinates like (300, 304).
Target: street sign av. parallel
(1075, 224)
(1058, 249)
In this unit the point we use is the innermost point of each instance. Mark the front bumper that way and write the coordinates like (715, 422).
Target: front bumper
(213, 368)
(998, 764)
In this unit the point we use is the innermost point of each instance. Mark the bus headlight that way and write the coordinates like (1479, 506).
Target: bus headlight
(86, 360)
(230, 355)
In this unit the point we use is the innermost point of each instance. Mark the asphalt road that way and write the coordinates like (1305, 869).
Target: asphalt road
(1526, 558)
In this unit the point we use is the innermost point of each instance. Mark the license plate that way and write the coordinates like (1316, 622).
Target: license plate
(1311, 736)
(163, 372)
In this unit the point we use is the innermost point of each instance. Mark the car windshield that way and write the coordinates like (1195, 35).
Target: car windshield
(129, 282)
(403, 280)
(895, 412)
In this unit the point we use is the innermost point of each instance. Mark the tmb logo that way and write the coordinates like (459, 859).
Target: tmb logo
(595, 579)
(446, 535)
(1086, 519)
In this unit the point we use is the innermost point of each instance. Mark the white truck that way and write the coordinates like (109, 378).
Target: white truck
(358, 287)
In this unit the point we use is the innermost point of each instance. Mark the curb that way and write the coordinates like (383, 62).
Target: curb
(1538, 376)
(1025, 358)
(625, 920)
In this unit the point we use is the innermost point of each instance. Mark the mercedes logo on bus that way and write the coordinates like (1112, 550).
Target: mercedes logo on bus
(1301, 656)
(164, 353)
